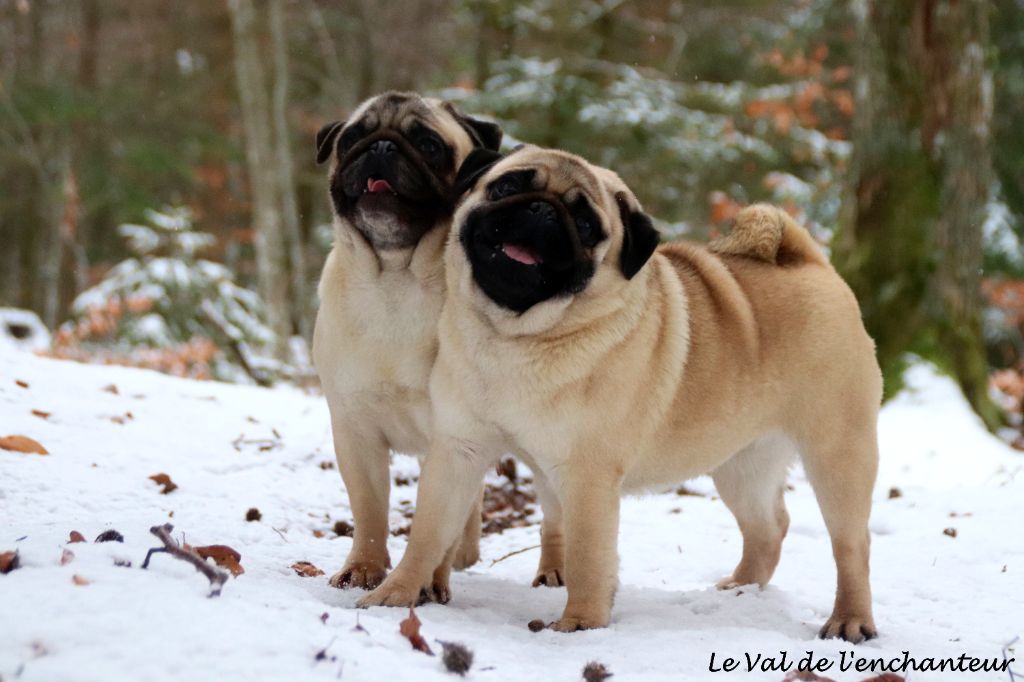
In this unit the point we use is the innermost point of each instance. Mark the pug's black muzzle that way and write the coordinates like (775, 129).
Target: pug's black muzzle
(387, 155)
(524, 249)
(414, 194)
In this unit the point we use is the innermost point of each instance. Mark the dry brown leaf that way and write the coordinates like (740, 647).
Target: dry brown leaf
(22, 444)
(306, 569)
(223, 556)
(318, 533)
(19, 382)
(79, 580)
(75, 537)
(112, 388)
(66, 557)
(253, 514)
(9, 561)
(410, 629)
(165, 481)
(951, 532)
(41, 414)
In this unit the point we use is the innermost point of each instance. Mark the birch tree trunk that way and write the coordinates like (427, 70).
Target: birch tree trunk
(911, 240)
(286, 173)
(271, 256)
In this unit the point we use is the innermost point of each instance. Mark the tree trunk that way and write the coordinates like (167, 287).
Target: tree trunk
(911, 240)
(286, 173)
(270, 244)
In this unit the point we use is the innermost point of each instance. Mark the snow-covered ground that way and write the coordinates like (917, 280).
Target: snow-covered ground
(935, 595)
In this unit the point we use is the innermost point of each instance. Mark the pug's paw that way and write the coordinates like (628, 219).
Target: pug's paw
(394, 591)
(851, 628)
(550, 577)
(574, 623)
(363, 574)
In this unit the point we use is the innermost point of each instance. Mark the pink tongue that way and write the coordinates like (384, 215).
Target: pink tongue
(376, 186)
(521, 254)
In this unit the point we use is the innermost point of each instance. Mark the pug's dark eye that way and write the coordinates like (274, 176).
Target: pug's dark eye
(504, 187)
(429, 146)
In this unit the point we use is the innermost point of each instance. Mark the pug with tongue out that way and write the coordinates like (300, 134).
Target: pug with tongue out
(392, 187)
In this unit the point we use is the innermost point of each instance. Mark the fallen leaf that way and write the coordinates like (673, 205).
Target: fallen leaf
(223, 556)
(112, 388)
(22, 444)
(9, 561)
(951, 532)
(41, 414)
(66, 557)
(535, 625)
(165, 481)
(318, 533)
(109, 536)
(253, 514)
(75, 537)
(343, 528)
(596, 672)
(895, 493)
(19, 382)
(79, 580)
(326, 464)
(410, 629)
(306, 569)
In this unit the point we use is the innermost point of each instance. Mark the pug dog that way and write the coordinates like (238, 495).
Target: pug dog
(613, 365)
(391, 186)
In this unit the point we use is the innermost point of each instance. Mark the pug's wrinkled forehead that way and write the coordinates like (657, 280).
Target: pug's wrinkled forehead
(561, 173)
(400, 110)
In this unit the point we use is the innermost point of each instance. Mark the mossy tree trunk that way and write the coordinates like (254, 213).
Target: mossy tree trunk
(911, 240)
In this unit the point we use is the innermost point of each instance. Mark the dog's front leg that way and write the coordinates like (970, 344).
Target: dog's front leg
(590, 500)
(449, 484)
(363, 460)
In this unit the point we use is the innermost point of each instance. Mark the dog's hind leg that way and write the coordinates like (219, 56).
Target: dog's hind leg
(752, 484)
(468, 552)
(841, 465)
(551, 568)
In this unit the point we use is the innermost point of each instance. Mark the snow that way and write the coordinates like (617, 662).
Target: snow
(934, 595)
(22, 330)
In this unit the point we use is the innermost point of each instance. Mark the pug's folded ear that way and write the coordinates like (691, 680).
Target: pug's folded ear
(639, 237)
(484, 134)
(475, 165)
(325, 140)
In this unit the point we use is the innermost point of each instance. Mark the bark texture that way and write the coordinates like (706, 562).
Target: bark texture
(911, 240)
(271, 254)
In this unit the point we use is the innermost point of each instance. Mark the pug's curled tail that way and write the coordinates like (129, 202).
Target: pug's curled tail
(768, 233)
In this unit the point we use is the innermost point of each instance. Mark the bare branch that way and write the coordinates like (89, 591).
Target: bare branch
(216, 577)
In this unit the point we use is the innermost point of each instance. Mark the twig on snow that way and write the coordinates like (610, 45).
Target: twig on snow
(518, 551)
(216, 577)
